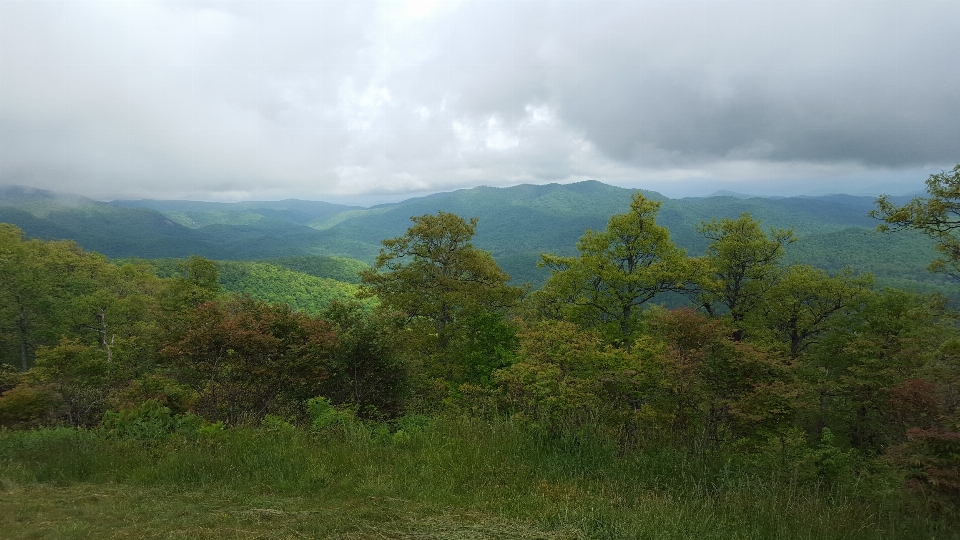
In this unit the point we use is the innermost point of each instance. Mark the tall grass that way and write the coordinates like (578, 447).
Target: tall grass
(494, 470)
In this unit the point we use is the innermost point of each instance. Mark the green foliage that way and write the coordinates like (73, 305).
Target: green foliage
(937, 216)
(931, 458)
(80, 376)
(686, 382)
(277, 424)
(617, 271)
(335, 268)
(276, 284)
(832, 462)
(324, 415)
(162, 389)
(150, 420)
(739, 267)
(38, 280)
(707, 389)
(488, 343)
(9, 377)
(435, 278)
(369, 373)
(557, 380)
(803, 303)
(197, 281)
(865, 363)
(435, 273)
(27, 406)
(246, 359)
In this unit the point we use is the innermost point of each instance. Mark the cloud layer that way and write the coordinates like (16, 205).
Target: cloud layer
(327, 99)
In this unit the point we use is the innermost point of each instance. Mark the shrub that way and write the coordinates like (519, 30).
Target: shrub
(149, 420)
(27, 406)
(323, 414)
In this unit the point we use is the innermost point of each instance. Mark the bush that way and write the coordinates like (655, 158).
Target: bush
(324, 415)
(27, 406)
(149, 420)
(931, 458)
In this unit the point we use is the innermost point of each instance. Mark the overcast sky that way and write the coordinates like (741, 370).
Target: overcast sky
(379, 100)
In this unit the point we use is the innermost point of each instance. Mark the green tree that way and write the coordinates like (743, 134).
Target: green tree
(434, 275)
(897, 336)
(618, 270)
(706, 387)
(937, 216)
(369, 372)
(198, 281)
(805, 302)
(79, 376)
(38, 282)
(117, 303)
(739, 267)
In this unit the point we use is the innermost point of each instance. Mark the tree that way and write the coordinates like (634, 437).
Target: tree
(38, 281)
(739, 267)
(246, 359)
(433, 275)
(618, 270)
(369, 372)
(198, 282)
(805, 302)
(708, 386)
(866, 358)
(937, 217)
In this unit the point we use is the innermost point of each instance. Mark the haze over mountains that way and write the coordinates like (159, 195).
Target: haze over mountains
(515, 225)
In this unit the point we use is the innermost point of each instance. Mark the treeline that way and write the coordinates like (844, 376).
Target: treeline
(80, 336)
(789, 368)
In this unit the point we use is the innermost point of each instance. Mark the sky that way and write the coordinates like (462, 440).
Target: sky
(371, 101)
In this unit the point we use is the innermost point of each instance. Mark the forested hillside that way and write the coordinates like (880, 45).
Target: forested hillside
(307, 284)
(516, 225)
(801, 393)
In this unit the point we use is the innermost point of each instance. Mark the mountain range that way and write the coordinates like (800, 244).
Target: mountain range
(516, 224)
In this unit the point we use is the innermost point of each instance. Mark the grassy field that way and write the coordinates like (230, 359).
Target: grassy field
(435, 479)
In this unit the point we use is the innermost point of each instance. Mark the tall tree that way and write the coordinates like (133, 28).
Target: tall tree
(937, 216)
(434, 274)
(739, 267)
(37, 281)
(805, 302)
(618, 270)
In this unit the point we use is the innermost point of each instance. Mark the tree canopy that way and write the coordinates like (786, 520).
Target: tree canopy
(739, 267)
(433, 275)
(937, 216)
(618, 270)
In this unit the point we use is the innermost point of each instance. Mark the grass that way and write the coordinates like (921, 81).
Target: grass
(456, 478)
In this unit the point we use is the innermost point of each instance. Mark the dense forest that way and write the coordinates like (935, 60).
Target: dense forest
(516, 225)
(638, 370)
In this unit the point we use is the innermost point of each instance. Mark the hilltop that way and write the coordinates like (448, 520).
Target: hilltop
(516, 225)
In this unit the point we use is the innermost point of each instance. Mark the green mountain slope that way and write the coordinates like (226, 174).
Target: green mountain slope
(516, 224)
(196, 214)
(279, 285)
(279, 280)
(122, 231)
(337, 268)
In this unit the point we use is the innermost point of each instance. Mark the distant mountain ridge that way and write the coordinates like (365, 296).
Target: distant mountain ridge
(515, 225)
(195, 214)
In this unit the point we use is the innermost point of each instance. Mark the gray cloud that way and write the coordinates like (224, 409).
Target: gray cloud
(328, 99)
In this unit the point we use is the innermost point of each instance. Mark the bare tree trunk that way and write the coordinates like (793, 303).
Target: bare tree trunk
(102, 333)
(24, 346)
